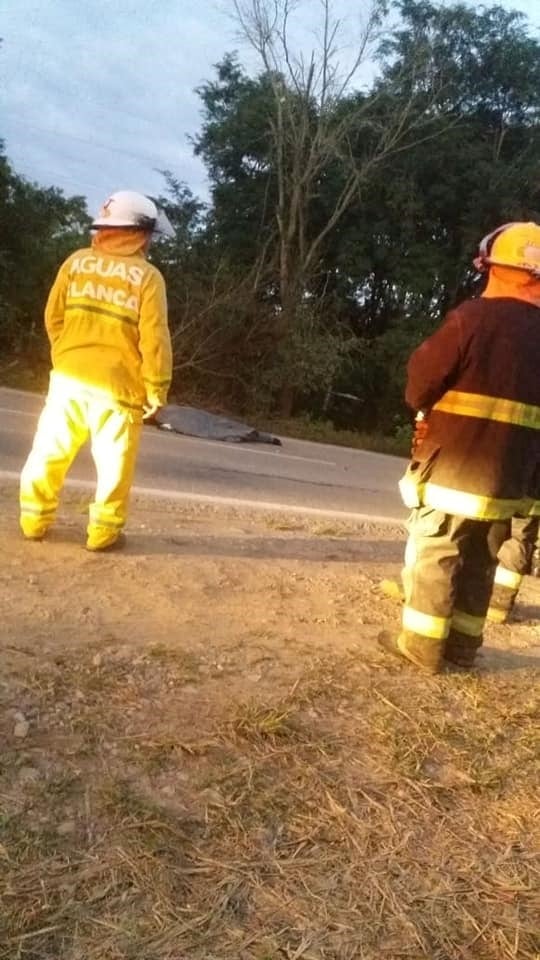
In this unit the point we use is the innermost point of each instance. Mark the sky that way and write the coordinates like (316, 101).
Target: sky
(100, 95)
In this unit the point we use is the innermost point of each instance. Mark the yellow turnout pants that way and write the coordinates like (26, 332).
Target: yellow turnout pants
(73, 415)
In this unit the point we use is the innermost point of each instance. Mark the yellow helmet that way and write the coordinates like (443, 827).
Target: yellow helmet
(514, 245)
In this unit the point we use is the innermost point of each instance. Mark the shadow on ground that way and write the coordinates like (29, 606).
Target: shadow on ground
(314, 549)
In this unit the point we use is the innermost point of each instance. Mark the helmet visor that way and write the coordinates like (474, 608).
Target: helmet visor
(163, 227)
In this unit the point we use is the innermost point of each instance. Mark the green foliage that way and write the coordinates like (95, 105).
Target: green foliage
(318, 430)
(235, 144)
(40, 228)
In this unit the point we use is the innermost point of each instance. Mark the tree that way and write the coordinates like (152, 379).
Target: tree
(311, 129)
(405, 250)
(41, 226)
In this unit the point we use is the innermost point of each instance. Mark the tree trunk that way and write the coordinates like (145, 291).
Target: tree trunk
(286, 398)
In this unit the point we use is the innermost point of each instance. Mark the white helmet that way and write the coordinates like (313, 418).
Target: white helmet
(125, 208)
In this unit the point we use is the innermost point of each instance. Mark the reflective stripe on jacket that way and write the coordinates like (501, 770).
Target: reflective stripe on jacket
(106, 318)
(478, 375)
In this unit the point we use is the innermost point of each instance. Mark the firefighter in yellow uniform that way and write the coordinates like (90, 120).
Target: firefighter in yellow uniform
(106, 319)
(477, 463)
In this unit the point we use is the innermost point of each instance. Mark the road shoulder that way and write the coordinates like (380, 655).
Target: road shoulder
(206, 755)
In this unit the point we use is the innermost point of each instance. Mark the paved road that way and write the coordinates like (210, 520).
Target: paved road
(309, 476)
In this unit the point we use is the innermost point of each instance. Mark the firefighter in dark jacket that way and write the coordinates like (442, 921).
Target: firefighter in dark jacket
(478, 462)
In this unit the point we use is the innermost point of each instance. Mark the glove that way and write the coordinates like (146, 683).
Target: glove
(420, 432)
(150, 410)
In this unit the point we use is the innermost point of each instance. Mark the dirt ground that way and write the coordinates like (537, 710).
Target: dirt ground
(206, 756)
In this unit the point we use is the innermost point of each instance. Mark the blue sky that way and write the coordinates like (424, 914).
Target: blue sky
(97, 96)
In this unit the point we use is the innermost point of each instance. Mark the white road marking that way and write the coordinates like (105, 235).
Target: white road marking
(21, 393)
(12, 430)
(19, 413)
(187, 497)
(245, 448)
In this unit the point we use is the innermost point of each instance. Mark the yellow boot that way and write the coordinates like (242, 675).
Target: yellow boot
(392, 589)
(33, 528)
(104, 538)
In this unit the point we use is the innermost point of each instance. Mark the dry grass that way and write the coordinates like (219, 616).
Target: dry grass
(365, 813)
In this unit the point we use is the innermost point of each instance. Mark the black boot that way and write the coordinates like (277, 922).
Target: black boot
(461, 649)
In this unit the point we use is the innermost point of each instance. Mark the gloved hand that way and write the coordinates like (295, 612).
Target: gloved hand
(150, 410)
(420, 431)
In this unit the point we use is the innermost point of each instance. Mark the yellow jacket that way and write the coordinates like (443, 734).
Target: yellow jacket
(106, 319)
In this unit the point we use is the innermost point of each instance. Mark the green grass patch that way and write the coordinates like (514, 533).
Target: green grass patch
(323, 431)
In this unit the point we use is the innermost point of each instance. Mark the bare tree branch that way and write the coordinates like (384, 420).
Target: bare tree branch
(319, 119)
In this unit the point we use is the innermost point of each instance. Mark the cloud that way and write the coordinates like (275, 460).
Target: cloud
(96, 96)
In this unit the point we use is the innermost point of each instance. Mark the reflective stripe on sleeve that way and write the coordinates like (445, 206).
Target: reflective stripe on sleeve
(157, 383)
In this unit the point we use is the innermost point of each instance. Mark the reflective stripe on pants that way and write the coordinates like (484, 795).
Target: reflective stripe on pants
(69, 419)
(448, 575)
